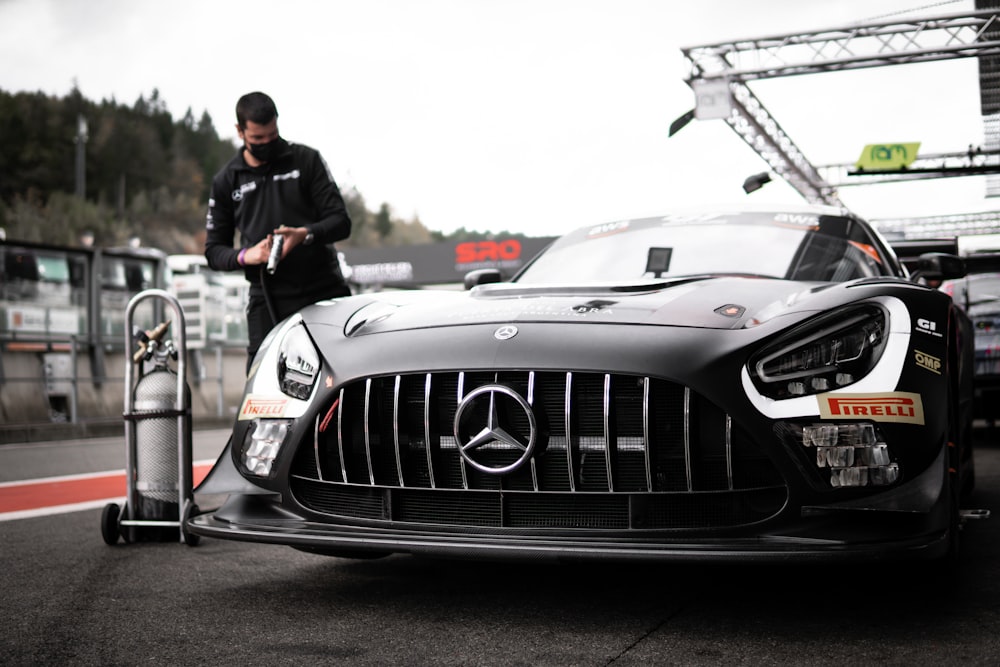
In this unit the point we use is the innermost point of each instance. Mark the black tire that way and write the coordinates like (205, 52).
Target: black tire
(190, 538)
(951, 558)
(109, 524)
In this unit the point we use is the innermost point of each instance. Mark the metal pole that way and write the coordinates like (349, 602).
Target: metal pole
(220, 407)
(74, 382)
(81, 156)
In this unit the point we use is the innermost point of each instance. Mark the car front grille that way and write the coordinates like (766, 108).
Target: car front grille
(616, 452)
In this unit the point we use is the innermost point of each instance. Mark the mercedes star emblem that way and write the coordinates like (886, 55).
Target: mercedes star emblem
(505, 332)
(498, 433)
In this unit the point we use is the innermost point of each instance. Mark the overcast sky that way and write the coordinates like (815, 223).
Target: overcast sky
(536, 116)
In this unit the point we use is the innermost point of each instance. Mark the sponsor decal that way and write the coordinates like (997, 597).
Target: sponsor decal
(928, 327)
(805, 219)
(243, 189)
(896, 406)
(26, 318)
(487, 251)
(608, 229)
(284, 177)
(383, 272)
(924, 360)
(535, 310)
(255, 407)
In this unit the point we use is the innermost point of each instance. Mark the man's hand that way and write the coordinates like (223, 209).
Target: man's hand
(258, 254)
(293, 236)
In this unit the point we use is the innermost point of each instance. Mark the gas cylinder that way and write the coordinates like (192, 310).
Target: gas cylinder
(157, 479)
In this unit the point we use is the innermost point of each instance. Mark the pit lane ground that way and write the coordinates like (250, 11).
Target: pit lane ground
(70, 599)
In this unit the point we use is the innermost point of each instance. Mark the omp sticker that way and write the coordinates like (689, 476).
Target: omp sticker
(924, 360)
(897, 406)
(256, 406)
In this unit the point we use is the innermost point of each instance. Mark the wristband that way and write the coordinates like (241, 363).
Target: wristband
(239, 257)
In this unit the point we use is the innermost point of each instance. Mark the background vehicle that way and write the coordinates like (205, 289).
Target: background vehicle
(979, 295)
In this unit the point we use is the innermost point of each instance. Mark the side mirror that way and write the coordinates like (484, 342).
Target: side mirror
(939, 266)
(482, 277)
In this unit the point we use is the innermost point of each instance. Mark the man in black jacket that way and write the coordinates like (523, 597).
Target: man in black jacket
(270, 188)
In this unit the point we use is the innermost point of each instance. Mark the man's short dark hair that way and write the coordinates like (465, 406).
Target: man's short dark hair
(256, 107)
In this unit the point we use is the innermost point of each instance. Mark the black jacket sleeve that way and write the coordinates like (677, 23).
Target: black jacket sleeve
(332, 222)
(220, 226)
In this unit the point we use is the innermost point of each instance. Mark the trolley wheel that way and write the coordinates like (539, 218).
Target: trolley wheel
(109, 524)
(190, 538)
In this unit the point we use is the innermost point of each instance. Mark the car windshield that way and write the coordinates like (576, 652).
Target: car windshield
(805, 247)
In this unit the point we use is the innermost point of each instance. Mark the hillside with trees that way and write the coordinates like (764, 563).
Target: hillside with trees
(146, 177)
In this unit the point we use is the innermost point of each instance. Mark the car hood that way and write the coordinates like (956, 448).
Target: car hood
(705, 302)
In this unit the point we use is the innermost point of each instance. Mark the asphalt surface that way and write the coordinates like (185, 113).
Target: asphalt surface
(71, 599)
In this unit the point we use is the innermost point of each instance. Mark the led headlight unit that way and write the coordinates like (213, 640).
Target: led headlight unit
(298, 363)
(825, 354)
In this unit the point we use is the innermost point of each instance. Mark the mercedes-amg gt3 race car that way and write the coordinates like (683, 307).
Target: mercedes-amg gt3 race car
(733, 385)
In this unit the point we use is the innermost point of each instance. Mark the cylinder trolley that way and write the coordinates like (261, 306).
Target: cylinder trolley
(158, 468)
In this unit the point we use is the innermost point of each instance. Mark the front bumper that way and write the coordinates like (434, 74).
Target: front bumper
(256, 519)
(885, 527)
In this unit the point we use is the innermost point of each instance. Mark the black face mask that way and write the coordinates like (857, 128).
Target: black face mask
(268, 152)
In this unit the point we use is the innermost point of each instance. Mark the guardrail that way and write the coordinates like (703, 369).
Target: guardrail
(66, 387)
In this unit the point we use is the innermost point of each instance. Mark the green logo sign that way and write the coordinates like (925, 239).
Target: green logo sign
(887, 157)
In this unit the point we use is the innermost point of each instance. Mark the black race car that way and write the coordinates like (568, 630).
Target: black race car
(723, 385)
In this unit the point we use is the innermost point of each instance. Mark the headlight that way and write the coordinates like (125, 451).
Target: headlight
(298, 363)
(828, 353)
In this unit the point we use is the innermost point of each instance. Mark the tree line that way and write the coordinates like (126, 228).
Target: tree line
(146, 177)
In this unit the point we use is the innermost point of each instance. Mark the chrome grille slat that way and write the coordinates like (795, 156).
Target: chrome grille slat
(609, 445)
(461, 461)
(568, 426)
(395, 428)
(340, 436)
(531, 402)
(316, 456)
(687, 438)
(427, 430)
(368, 442)
(729, 451)
(646, 446)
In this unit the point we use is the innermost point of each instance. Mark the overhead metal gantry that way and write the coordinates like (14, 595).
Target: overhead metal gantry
(974, 161)
(938, 226)
(720, 72)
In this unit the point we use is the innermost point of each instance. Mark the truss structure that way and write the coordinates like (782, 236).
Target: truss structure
(974, 161)
(941, 226)
(720, 72)
(895, 42)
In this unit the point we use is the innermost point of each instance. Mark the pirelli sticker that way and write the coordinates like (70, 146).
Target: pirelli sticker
(896, 406)
(255, 407)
